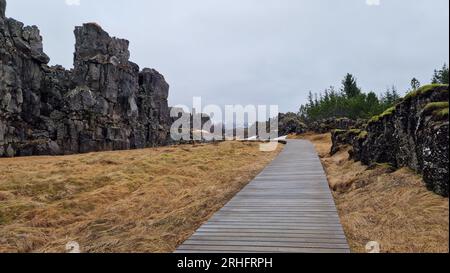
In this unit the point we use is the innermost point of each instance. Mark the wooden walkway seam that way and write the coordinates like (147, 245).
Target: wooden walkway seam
(287, 208)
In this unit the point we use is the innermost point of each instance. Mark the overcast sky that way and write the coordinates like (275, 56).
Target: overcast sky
(258, 51)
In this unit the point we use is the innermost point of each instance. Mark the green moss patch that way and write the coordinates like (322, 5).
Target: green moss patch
(386, 113)
(437, 109)
(355, 131)
(363, 135)
(426, 89)
(442, 113)
(339, 131)
(433, 106)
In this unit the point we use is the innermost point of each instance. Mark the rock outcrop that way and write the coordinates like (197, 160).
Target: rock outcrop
(342, 138)
(329, 124)
(414, 134)
(104, 103)
(290, 123)
(2, 8)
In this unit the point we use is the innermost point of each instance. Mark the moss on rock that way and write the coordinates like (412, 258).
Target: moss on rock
(443, 113)
(363, 134)
(439, 110)
(426, 89)
(386, 113)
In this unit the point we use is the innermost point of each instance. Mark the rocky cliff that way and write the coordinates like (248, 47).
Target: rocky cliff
(104, 103)
(414, 134)
(2, 8)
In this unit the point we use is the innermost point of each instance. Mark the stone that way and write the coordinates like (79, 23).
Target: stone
(327, 125)
(290, 123)
(2, 8)
(410, 135)
(341, 138)
(103, 103)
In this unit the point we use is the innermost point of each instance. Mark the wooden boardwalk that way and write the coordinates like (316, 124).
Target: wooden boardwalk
(287, 208)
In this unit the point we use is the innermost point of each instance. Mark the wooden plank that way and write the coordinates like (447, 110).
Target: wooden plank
(264, 249)
(265, 243)
(268, 229)
(272, 234)
(262, 224)
(273, 220)
(288, 207)
(305, 239)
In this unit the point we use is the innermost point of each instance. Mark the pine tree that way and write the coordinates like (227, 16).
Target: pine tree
(441, 76)
(350, 87)
(415, 84)
(310, 99)
(395, 94)
(352, 103)
(372, 104)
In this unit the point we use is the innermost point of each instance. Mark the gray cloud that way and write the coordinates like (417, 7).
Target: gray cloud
(258, 51)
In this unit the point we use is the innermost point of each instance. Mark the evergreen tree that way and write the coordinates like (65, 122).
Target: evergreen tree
(390, 97)
(352, 103)
(415, 84)
(310, 99)
(441, 76)
(395, 94)
(372, 104)
(350, 87)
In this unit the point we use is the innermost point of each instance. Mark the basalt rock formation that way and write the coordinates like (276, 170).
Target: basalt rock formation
(104, 103)
(2, 8)
(329, 124)
(414, 134)
(341, 138)
(290, 123)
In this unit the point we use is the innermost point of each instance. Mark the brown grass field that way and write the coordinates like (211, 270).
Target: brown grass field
(147, 200)
(377, 204)
(151, 200)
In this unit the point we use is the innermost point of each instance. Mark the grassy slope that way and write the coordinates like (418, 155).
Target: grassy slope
(393, 208)
(129, 201)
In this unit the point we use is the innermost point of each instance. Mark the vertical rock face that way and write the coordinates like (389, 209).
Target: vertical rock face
(154, 115)
(414, 134)
(104, 103)
(2, 8)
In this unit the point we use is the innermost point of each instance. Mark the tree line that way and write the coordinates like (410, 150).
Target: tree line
(351, 102)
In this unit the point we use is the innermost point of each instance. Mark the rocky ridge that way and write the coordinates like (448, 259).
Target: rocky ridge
(413, 134)
(104, 103)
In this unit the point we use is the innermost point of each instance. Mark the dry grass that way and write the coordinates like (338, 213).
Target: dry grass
(392, 208)
(129, 201)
